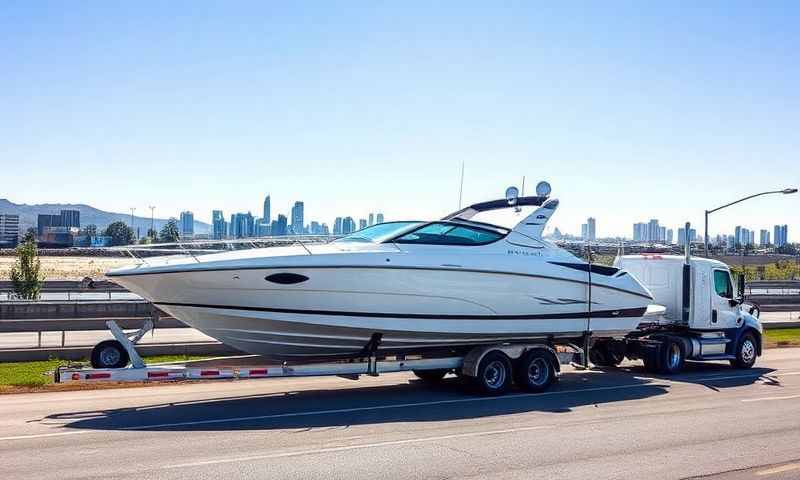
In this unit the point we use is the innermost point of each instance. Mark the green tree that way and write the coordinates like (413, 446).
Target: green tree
(152, 234)
(120, 234)
(25, 277)
(169, 233)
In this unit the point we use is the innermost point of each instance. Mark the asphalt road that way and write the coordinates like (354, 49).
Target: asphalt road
(712, 420)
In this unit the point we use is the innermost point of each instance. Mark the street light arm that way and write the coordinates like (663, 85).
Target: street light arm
(743, 199)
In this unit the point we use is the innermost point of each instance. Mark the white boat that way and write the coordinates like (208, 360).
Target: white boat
(400, 287)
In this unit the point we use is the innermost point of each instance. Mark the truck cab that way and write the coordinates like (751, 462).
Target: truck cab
(705, 317)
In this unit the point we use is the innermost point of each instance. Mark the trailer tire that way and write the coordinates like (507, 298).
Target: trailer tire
(431, 376)
(535, 372)
(746, 352)
(109, 354)
(494, 374)
(672, 355)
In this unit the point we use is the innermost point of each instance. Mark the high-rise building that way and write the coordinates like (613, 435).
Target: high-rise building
(242, 225)
(639, 232)
(297, 218)
(219, 228)
(349, 225)
(45, 221)
(70, 219)
(763, 238)
(280, 226)
(682, 236)
(371, 219)
(591, 223)
(9, 230)
(379, 218)
(669, 236)
(781, 235)
(362, 223)
(266, 218)
(585, 232)
(187, 224)
(337, 226)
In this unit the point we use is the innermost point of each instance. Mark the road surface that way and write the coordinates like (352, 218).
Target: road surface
(621, 424)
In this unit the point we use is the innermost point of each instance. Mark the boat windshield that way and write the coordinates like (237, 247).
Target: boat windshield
(379, 233)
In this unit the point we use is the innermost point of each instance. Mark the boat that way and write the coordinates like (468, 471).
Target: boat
(398, 287)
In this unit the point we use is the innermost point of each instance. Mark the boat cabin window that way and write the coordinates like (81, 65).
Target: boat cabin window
(378, 233)
(722, 284)
(445, 233)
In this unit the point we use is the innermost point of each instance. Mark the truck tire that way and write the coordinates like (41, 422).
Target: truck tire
(746, 352)
(431, 376)
(494, 374)
(673, 355)
(109, 354)
(535, 372)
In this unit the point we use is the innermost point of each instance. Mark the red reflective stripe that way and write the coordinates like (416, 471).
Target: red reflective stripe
(92, 376)
(157, 374)
(207, 373)
(258, 371)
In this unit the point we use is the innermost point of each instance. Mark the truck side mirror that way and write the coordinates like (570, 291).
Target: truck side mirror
(741, 286)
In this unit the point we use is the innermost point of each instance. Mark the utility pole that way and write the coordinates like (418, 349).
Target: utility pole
(133, 209)
(152, 221)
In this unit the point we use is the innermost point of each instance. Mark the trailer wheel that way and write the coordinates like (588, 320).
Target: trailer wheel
(109, 354)
(494, 374)
(431, 376)
(535, 371)
(673, 356)
(746, 352)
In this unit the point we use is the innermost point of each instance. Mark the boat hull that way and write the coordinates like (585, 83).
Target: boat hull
(336, 311)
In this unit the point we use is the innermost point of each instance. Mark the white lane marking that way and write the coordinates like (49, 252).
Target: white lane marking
(358, 447)
(44, 435)
(384, 407)
(781, 469)
(766, 399)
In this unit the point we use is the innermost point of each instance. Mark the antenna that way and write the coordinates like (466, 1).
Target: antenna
(461, 186)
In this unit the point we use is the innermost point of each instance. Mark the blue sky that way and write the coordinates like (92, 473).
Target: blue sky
(631, 111)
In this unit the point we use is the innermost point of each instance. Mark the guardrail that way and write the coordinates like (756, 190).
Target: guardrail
(57, 316)
(69, 287)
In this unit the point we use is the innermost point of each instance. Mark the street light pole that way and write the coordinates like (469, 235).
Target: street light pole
(152, 220)
(785, 191)
(133, 209)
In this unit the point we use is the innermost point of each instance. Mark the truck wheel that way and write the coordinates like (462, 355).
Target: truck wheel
(673, 356)
(431, 376)
(746, 352)
(494, 374)
(109, 354)
(535, 371)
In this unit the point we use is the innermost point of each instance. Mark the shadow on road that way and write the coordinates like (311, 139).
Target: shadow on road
(414, 401)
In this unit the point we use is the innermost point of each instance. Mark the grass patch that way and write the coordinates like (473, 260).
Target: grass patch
(782, 337)
(39, 374)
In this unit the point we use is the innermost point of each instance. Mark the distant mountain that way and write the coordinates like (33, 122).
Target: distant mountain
(89, 215)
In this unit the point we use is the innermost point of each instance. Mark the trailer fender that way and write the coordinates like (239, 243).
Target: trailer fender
(473, 359)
